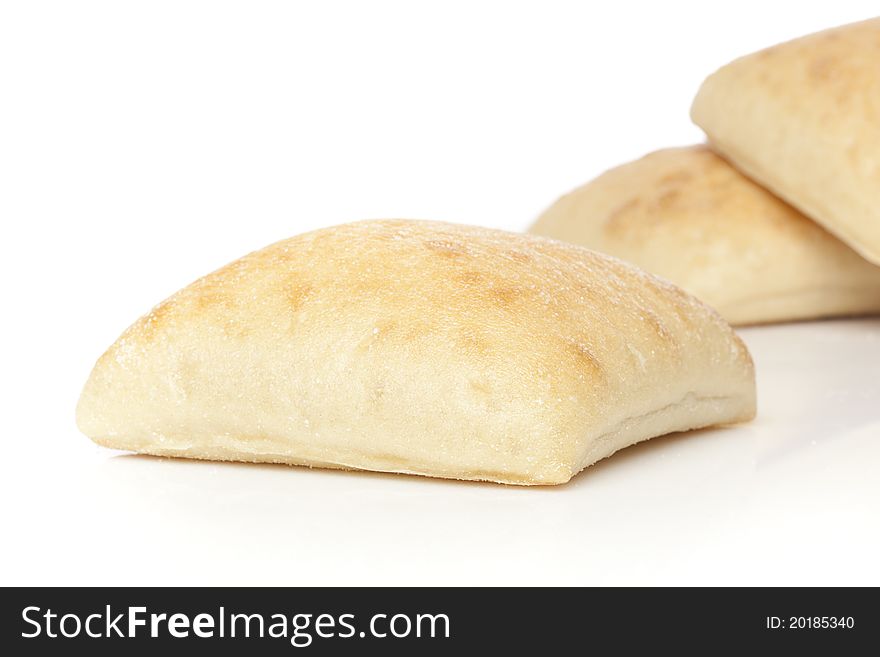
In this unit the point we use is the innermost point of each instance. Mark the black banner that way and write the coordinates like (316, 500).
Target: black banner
(434, 621)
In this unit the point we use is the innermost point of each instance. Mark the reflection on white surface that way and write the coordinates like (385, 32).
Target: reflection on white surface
(790, 498)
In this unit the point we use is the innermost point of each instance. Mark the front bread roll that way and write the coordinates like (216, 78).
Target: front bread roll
(803, 119)
(422, 348)
(688, 216)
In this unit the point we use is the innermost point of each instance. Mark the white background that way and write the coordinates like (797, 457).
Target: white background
(143, 144)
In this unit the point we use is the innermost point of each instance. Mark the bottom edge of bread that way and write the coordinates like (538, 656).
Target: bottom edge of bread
(691, 412)
(803, 305)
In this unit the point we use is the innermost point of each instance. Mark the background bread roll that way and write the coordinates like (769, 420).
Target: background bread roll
(688, 216)
(803, 119)
(422, 348)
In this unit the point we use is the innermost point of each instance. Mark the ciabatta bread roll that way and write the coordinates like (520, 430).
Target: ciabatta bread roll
(422, 348)
(688, 216)
(803, 119)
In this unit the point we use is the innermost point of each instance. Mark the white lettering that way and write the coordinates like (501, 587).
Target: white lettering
(24, 616)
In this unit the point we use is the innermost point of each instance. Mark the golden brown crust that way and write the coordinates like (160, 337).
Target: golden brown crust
(418, 347)
(803, 119)
(688, 216)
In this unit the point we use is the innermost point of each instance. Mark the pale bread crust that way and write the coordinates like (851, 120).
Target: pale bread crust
(687, 215)
(803, 119)
(422, 348)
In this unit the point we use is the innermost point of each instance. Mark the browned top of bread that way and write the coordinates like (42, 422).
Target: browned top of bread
(419, 281)
(689, 193)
